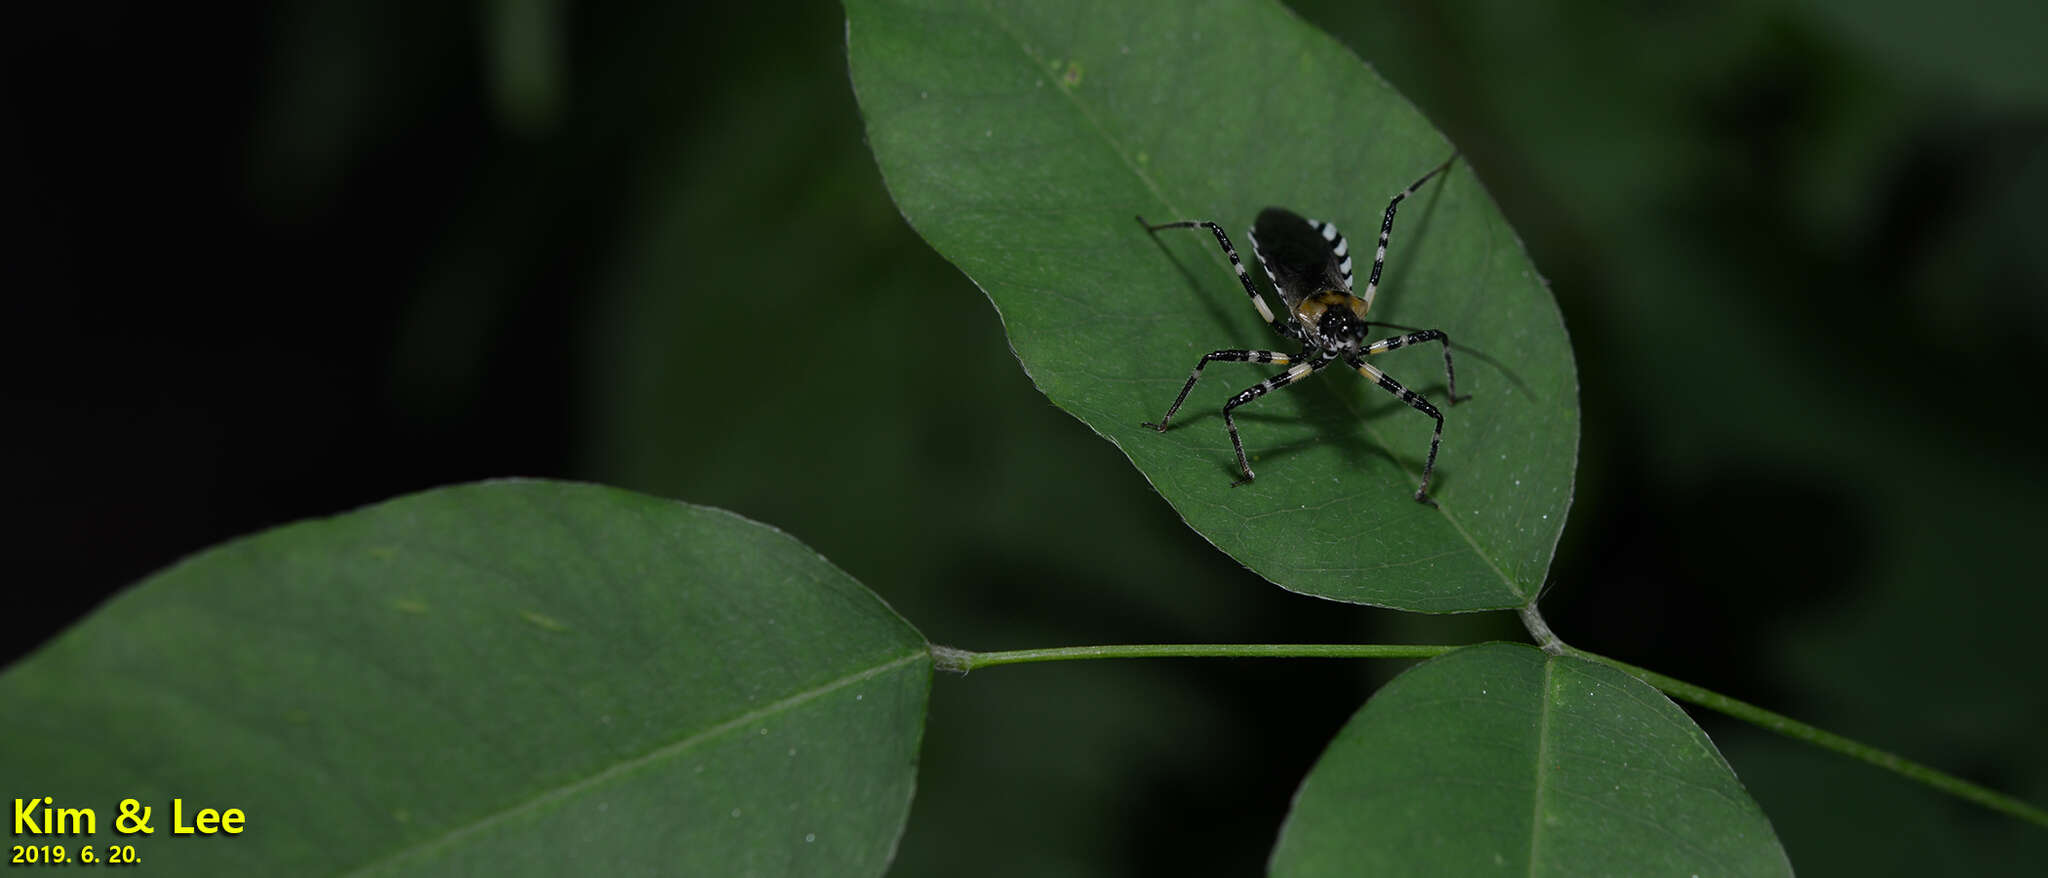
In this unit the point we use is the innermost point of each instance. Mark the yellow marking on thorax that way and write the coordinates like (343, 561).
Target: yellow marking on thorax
(1311, 309)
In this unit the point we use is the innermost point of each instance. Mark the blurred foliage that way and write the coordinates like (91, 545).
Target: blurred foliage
(279, 264)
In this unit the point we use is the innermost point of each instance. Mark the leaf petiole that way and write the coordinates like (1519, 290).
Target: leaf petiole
(961, 661)
(946, 658)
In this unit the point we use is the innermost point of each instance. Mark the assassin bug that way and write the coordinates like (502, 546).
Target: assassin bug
(1309, 263)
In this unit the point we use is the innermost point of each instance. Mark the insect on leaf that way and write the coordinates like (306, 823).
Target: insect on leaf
(1020, 139)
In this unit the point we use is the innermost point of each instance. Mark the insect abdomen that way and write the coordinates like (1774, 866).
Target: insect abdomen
(1295, 255)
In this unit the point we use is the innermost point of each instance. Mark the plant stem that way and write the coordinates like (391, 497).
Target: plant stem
(1795, 729)
(948, 658)
(1539, 630)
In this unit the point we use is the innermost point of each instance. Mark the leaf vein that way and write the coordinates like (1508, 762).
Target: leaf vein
(566, 790)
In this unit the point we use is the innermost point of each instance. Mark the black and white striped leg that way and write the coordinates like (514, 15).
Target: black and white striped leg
(1300, 370)
(1221, 356)
(1243, 276)
(1418, 337)
(1415, 400)
(1379, 259)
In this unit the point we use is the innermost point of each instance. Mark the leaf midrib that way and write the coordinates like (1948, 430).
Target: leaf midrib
(1130, 163)
(1542, 752)
(626, 766)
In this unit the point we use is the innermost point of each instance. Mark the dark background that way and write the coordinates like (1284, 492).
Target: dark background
(277, 263)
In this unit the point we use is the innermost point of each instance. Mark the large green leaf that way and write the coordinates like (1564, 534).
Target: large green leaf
(1020, 139)
(509, 678)
(1500, 759)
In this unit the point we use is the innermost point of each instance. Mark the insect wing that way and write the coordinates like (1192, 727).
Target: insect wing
(1299, 261)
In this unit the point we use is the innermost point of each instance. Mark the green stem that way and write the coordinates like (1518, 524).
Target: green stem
(949, 659)
(1827, 740)
(1539, 630)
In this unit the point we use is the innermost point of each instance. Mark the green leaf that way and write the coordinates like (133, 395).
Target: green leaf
(1020, 139)
(512, 678)
(1499, 759)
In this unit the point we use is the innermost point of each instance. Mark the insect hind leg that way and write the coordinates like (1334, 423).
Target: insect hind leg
(1379, 259)
(1243, 277)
